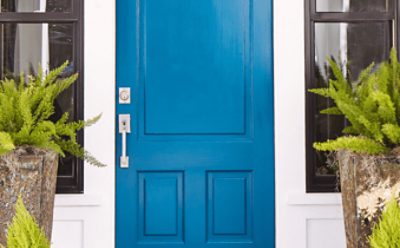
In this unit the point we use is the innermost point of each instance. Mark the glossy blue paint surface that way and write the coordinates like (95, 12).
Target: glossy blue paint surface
(201, 149)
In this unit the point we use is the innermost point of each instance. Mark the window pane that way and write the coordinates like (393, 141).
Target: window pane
(24, 46)
(36, 5)
(359, 44)
(352, 5)
(354, 46)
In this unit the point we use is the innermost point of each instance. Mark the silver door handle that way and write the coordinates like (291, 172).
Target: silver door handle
(124, 123)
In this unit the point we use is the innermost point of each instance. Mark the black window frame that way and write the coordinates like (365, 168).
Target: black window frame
(74, 183)
(328, 183)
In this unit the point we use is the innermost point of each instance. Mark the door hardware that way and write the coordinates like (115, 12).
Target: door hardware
(124, 95)
(124, 123)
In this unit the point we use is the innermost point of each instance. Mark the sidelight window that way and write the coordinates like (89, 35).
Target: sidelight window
(47, 33)
(354, 33)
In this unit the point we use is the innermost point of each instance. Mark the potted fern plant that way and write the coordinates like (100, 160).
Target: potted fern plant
(31, 143)
(368, 153)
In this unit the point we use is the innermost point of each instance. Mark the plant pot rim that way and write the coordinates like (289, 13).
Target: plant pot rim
(30, 150)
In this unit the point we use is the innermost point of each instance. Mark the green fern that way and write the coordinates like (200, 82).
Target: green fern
(27, 108)
(371, 105)
(357, 144)
(386, 234)
(24, 232)
(6, 143)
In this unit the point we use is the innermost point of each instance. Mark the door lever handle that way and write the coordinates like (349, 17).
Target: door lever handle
(124, 123)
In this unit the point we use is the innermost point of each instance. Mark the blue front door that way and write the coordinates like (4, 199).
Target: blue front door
(201, 146)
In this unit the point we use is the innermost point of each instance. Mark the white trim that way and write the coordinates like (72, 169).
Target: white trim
(322, 199)
(302, 220)
(78, 201)
(93, 212)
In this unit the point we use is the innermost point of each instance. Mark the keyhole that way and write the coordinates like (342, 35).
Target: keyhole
(124, 125)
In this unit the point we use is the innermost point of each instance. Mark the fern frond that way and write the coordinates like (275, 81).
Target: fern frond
(63, 84)
(392, 132)
(371, 105)
(349, 130)
(92, 121)
(24, 232)
(27, 114)
(386, 110)
(54, 74)
(364, 74)
(92, 160)
(355, 144)
(331, 111)
(386, 234)
(6, 143)
(321, 91)
(340, 83)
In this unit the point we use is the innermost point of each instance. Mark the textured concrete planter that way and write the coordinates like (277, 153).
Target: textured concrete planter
(367, 183)
(31, 173)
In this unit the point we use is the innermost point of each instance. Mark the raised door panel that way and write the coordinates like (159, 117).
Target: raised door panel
(194, 65)
(160, 207)
(229, 206)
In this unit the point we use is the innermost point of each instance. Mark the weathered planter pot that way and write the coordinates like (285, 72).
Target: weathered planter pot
(367, 183)
(32, 174)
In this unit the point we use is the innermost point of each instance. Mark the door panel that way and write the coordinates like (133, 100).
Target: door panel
(160, 206)
(201, 170)
(201, 59)
(229, 206)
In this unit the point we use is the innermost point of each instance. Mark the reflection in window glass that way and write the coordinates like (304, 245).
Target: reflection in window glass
(354, 46)
(352, 5)
(26, 46)
(36, 5)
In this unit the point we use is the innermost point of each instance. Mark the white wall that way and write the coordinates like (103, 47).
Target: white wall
(87, 221)
(302, 220)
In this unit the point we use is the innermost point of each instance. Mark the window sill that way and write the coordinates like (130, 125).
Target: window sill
(78, 201)
(321, 199)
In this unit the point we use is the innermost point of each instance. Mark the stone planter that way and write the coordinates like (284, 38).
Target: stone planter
(31, 173)
(367, 183)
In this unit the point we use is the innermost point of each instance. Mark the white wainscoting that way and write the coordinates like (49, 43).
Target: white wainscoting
(317, 221)
(302, 220)
(77, 220)
(87, 221)
(75, 231)
(319, 233)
